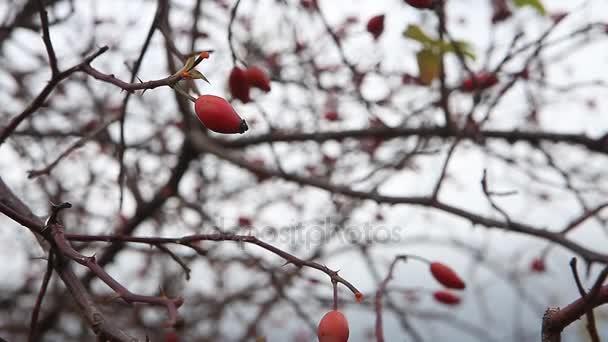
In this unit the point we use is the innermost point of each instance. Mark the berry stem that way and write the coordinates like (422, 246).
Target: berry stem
(335, 285)
(182, 92)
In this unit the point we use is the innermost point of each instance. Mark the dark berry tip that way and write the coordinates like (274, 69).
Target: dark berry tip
(243, 127)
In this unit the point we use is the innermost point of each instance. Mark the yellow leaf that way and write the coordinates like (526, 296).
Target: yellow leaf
(428, 66)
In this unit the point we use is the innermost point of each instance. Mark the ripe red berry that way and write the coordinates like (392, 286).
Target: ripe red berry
(218, 115)
(428, 4)
(538, 265)
(375, 26)
(331, 116)
(258, 78)
(333, 327)
(245, 222)
(445, 297)
(171, 336)
(480, 81)
(239, 85)
(446, 276)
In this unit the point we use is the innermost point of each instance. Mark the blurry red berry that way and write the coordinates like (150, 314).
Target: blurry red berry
(375, 26)
(537, 265)
(218, 115)
(239, 85)
(446, 276)
(171, 336)
(420, 3)
(333, 327)
(479, 81)
(258, 78)
(331, 116)
(309, 4)
(245, 221)
(447, 298)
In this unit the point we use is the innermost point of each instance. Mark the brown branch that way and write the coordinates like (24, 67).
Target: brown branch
(13, 207)
(46, 91)
(378, 299)
(230, 35)
(64, 247)
(190, 239)
(46, 37)
(556, 319)
(35, 312)
(207, 145)
(591, 327)
(510, 136)
(77, 144)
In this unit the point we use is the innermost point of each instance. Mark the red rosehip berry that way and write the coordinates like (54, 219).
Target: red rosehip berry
(422, 4)
(333, 327)
(258, 78)
(171, 336)
(375, 26)
(538, 265)
(331, 116)
(245, 222)
(482, 80)
(239, 85)
(218, 115)
(447, 298)
(446, 276)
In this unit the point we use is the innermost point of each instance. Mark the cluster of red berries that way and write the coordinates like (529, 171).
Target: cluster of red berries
(448, 278)
(241, 81)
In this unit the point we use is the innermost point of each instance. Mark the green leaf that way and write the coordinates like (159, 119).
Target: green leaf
(459, 46)
(429, 65)
(536, 4)
(415, 32)
(195, 74)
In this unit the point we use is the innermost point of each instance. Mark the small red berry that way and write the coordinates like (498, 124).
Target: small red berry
(423, 4)
(258, 78)
(171, 336)
(375, 26)
(446, 276)
(245, 222)
(239, 85)
(333, 327)
(445, 297)
(538, 265)
(331, 116)
(482, 80)
(308, 4)
(218, 115)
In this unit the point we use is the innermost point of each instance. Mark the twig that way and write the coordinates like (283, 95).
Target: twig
(190, 239)
(35, 312)
(39, 100)
(380, 293)
(591, 327)
(46, 36)
(230, 35)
